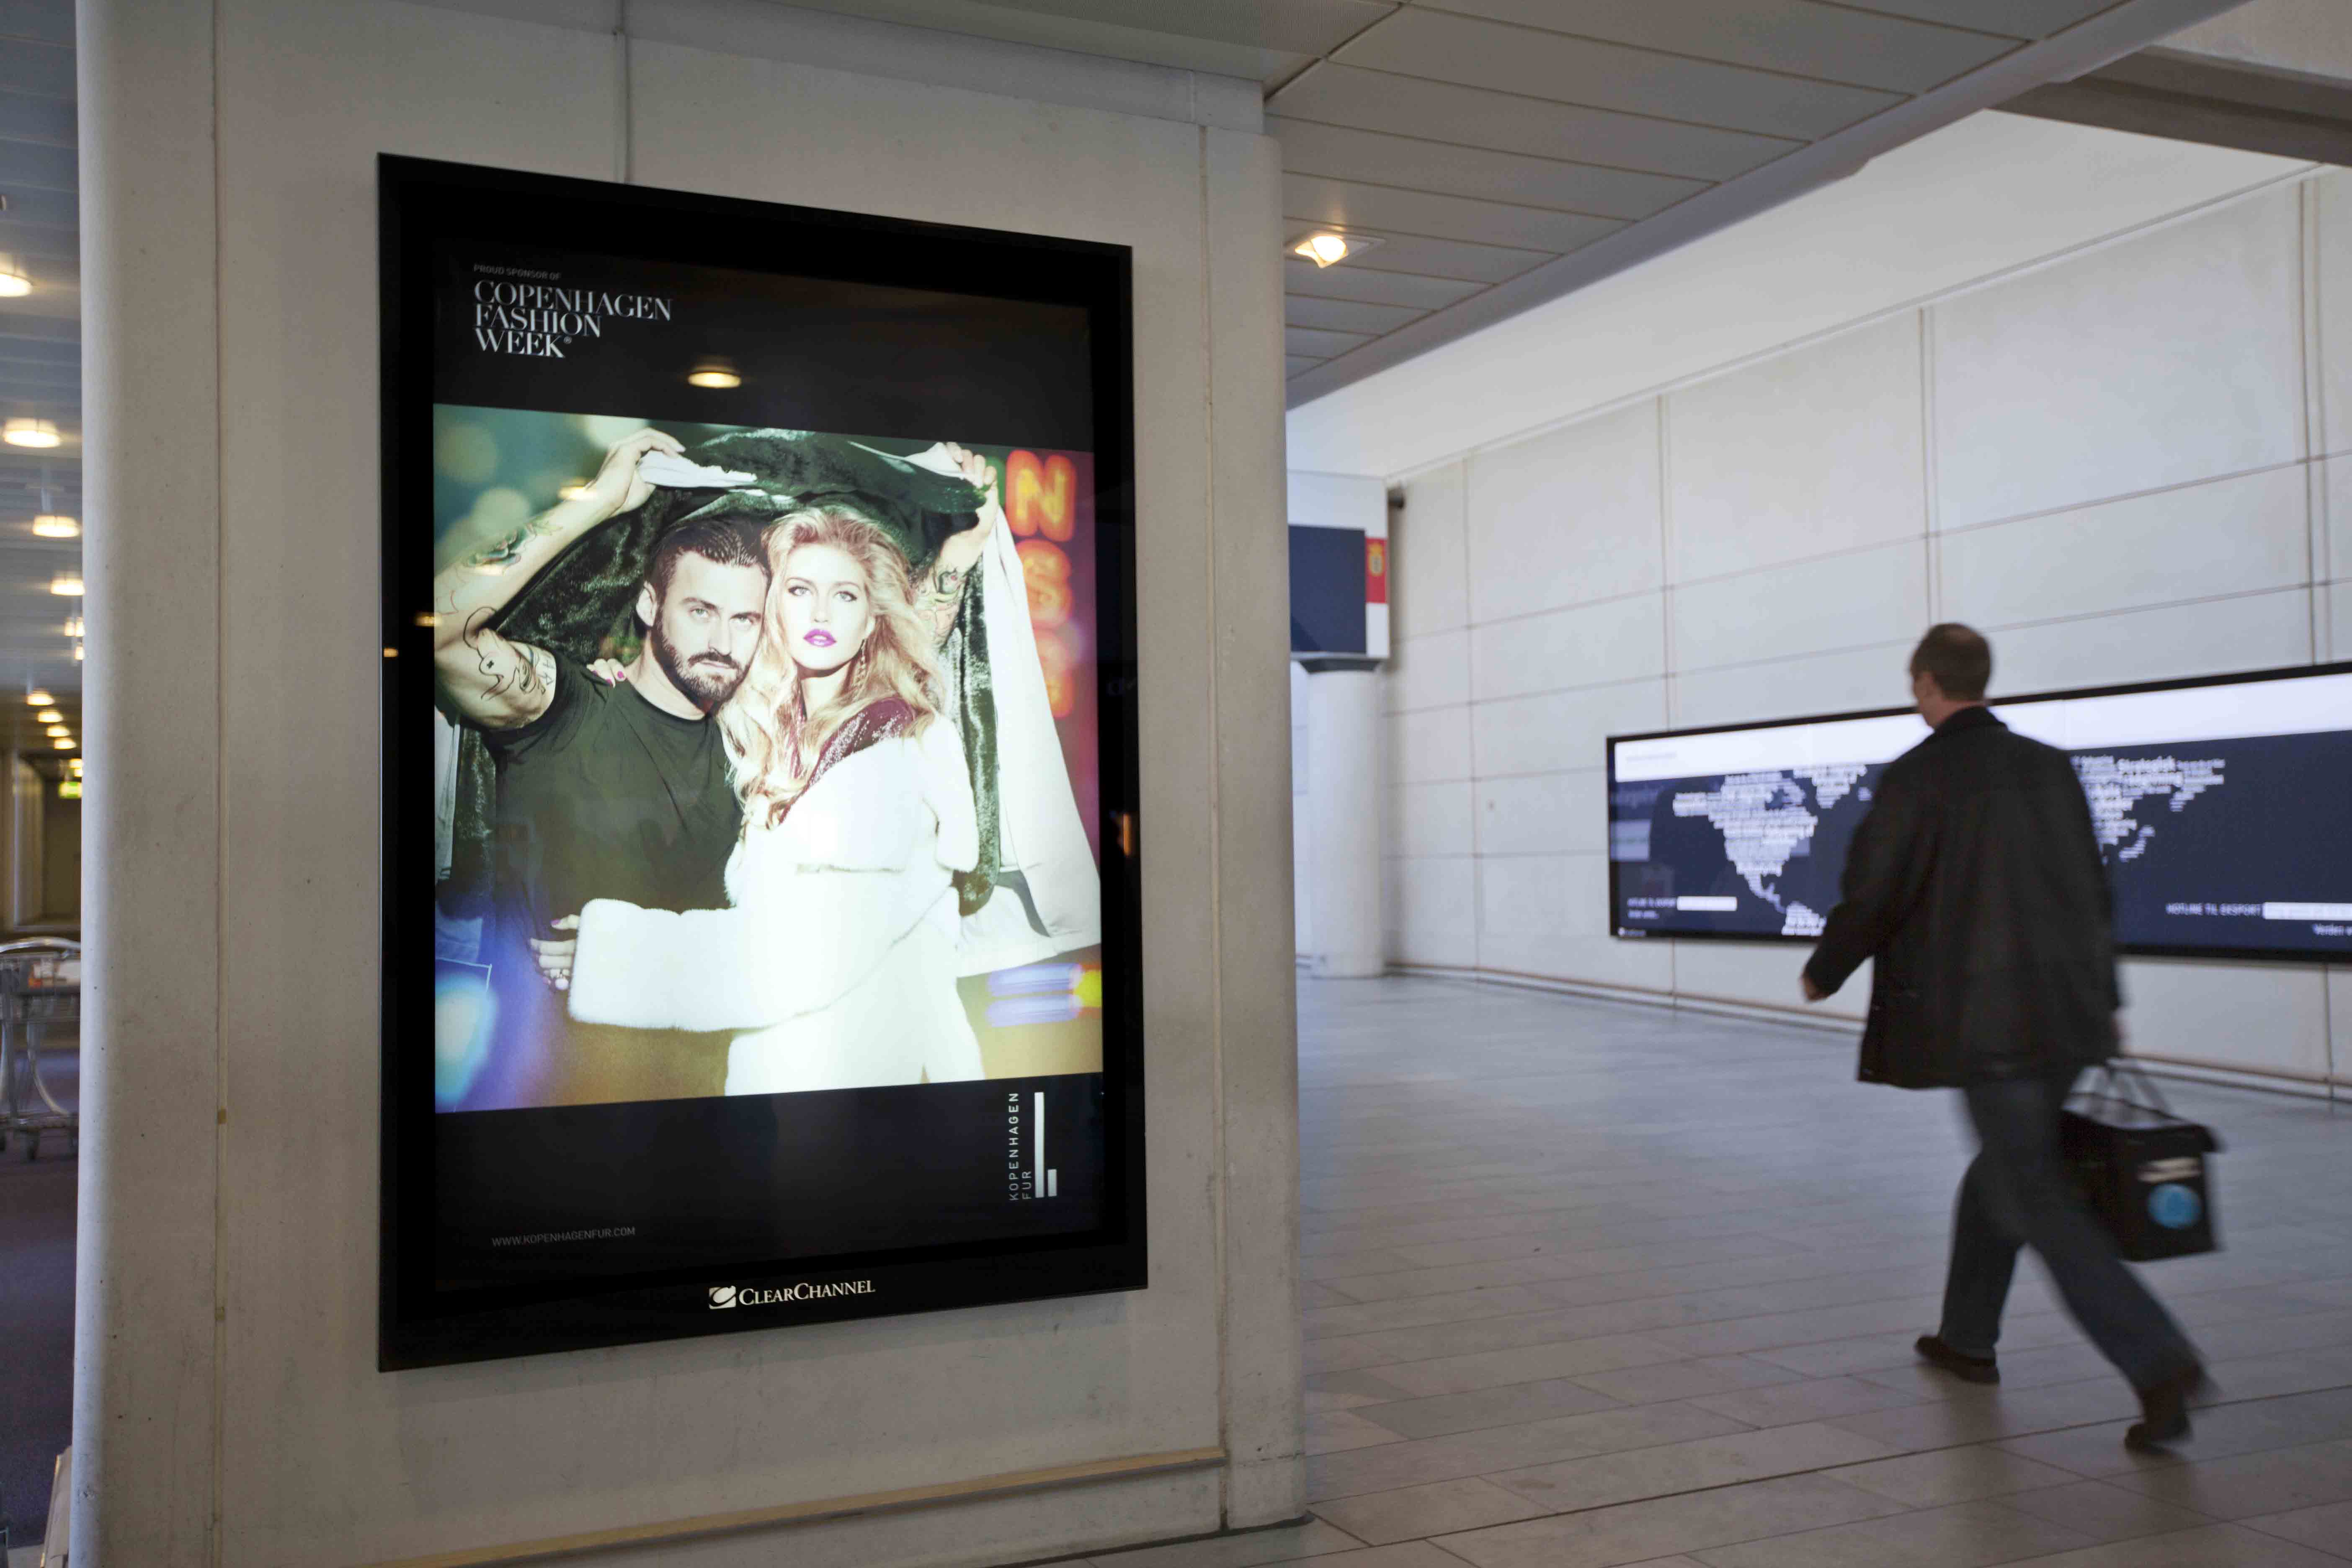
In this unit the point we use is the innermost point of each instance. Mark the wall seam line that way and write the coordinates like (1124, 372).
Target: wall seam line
(217, 1527)
(1221, 1176)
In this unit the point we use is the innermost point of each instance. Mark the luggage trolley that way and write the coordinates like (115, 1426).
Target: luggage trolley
(41, 984)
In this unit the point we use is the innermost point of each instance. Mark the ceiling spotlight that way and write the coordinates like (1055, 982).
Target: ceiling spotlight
(57, 525)
(39, 698)
(49, 716)
(13, 284)
(74, 763)
(63, 745)
(73, 625)
(54, 731)
(65, 587)
(714, 373)
(1322, 248)
(76, 653)
(30, 432)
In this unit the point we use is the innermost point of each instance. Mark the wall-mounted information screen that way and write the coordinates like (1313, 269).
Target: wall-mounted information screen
(2224, 810)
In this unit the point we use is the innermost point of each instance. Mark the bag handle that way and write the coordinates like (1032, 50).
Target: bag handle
(2121, 1073)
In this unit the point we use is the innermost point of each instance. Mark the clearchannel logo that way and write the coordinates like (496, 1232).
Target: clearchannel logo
(725, 1296)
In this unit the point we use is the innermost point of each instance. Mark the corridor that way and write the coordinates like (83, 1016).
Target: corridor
(1591, 1284)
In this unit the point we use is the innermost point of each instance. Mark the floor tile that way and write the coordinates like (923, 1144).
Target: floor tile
(1637, 1531)
(1605, 1478)
(1497, 1448)
(2214, 1546)
(1286, 1543)
(2327, 1527)
(1952, 1475)
(1409, 1513)
(1503, 1406)
(2278, 1481)
(1404, 1554)
(1814, 1400)
(1341, 1430)
(1963, 1535)
(2104, 1512)
(1532, 1363)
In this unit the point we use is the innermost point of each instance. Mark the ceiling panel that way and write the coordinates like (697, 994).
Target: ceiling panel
(1802, 37)
(1156, 45)
(1437, 257)
(1343, 205)
(43, 70)
(2017, 18)
(1303, 27)
(35, 166)
(1443, 112)
(1502, 57)
(37, 120)
(1354, 282)
(48, 209)
(1293, 364)
(1309, 341)
(1343, 153)
(1346, 315)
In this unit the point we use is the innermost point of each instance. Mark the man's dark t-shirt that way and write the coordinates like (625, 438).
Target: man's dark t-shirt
(601, 797)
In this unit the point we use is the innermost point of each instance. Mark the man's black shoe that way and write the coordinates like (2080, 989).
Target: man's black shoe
(1966, 1368)
(2164, 1411)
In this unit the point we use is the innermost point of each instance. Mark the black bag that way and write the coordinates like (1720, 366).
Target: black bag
(2142, 1168)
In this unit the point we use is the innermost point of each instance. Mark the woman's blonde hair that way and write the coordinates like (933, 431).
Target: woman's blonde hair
(773, 745)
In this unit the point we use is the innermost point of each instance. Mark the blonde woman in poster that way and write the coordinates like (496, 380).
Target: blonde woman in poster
(837, 959)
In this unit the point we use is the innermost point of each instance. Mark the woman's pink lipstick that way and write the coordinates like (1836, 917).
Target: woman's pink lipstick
(818, 638)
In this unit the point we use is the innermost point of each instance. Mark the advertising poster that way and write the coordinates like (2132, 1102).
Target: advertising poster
(761, 934)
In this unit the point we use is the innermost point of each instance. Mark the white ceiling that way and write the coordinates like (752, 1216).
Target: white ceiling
(1507, 151)
(40, 358)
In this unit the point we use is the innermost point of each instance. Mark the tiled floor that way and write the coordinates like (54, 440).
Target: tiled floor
(1591, 1284)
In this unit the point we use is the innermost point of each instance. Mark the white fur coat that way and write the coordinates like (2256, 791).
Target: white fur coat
(836, 964)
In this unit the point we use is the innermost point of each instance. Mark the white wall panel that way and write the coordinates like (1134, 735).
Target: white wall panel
(1788, 688)
(1816, 450)
(2336, 622)
(1544, 813)
(2261, 631)
(1428, 747)
(2173, 356)
(1871, 597)
(1764, 974)
(1591, 960)
(1533, 895)
(1436, 910)
(2233, 1014)
(1563, 731)
(2336, 497)
(2236, 535)
(1566, 518)
(2339, 1015)
(1431, 671)
(1622, 639)
(2333, 221)
(1429, 573)
(1430, 819)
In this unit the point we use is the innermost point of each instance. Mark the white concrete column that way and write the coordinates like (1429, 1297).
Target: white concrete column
(145, 1421)
(1344, 770)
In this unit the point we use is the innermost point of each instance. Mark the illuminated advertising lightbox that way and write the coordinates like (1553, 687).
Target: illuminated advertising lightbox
(761, 933)
(2219, 807)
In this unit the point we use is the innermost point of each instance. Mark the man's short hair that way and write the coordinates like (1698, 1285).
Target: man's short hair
(1958, 658)
(722, 542)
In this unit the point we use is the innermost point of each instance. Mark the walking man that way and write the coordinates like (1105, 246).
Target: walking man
(1976, 883)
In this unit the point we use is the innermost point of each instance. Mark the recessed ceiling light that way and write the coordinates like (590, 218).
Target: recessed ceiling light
(73, 625)
(63, 745)
(49, 716)
(57, 525)
(13, 284)
(65, 587)
(54, 731)
(40, 698)
(716, 374)
(1322, 248)
(30, 432)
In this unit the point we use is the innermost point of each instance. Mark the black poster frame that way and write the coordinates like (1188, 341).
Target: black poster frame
(2132, 949)
(421, 203)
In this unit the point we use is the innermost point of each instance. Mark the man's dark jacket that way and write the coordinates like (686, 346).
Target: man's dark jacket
(1975, 882)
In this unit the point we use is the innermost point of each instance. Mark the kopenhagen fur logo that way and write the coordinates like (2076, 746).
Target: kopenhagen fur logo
(783, 1295)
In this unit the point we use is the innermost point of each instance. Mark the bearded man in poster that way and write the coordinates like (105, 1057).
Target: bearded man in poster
(601, 786)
